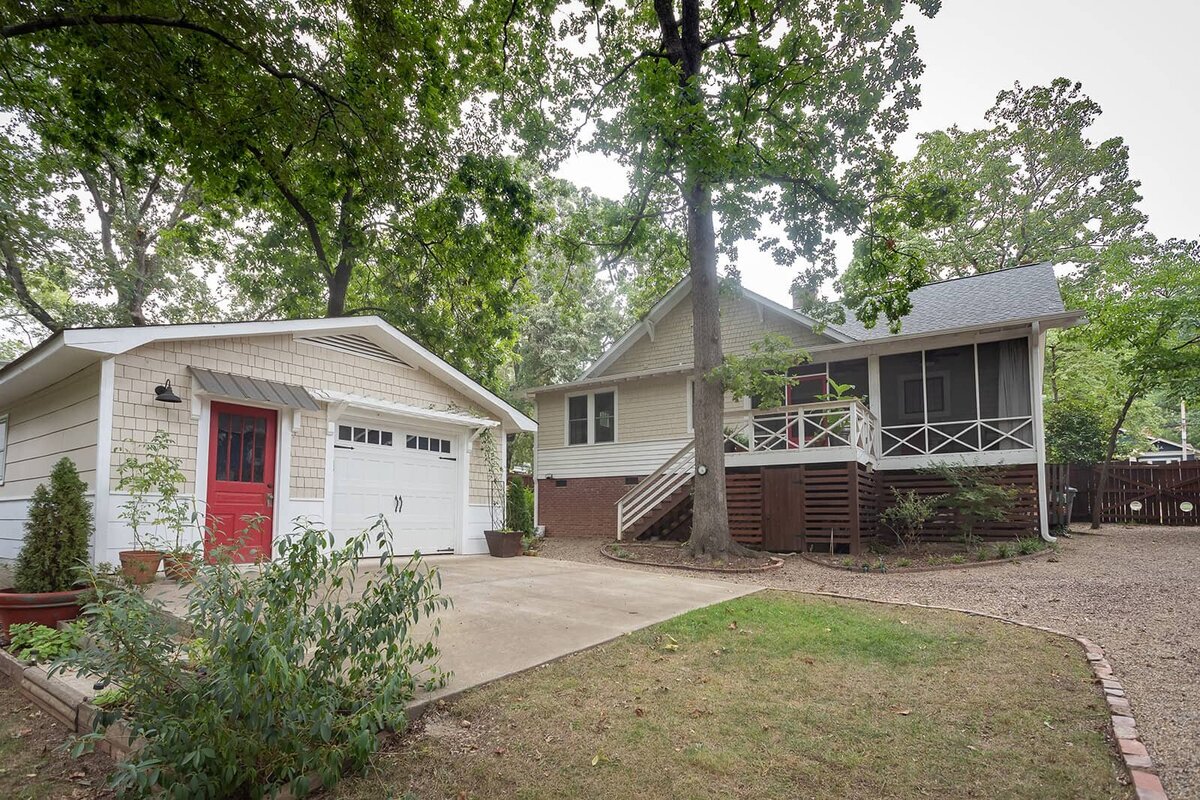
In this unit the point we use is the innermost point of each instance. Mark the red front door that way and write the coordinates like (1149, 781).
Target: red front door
(241, 481)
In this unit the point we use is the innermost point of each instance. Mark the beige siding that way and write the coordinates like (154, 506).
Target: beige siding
(647, 410)
(279, 358)
(742, 324)
(60, 420)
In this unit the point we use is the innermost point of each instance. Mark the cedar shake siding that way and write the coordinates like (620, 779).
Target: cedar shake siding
(279, 358)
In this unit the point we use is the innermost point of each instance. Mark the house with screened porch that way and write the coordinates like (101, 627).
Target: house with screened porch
(960, 383)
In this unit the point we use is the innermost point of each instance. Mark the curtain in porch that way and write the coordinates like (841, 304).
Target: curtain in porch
(1013, 391)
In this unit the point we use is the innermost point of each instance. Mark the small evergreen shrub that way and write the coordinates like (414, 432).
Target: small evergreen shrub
(288, 672)
(520, 507)
(56, 533)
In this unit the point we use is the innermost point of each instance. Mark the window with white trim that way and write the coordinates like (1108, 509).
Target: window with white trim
(3, 445)
(429, 444)
(592, 418)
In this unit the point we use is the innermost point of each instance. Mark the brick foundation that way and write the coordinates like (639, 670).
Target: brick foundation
(582, 507)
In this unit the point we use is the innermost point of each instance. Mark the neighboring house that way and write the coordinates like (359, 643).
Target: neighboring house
(337, 420)
(961, 383)
(1165, 451)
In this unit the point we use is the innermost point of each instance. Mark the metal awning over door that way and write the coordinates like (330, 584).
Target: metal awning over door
(254, 390)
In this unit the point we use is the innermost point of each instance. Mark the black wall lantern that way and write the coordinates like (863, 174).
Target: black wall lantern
(164, 394)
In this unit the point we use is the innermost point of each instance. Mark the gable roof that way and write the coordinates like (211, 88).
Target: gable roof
(990, 298)
(71, 350)
(681, 290)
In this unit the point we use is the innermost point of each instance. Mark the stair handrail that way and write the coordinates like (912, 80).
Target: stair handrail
(658, 485)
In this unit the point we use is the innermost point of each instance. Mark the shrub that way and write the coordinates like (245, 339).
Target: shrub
(153, 481)
(56, 533)
(520, 507)
(908, 515)
(287, 673)
(977, 495)
(1005, 550)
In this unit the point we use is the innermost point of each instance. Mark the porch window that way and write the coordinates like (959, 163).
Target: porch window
(963, 399)
(592, 418)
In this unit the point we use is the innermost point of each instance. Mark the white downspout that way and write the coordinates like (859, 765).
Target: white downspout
(1037, 348)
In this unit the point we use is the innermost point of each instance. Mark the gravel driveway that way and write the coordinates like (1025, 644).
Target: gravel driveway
(1133, 590)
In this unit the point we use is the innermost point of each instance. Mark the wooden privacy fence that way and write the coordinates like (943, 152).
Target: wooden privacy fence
(1148, 494)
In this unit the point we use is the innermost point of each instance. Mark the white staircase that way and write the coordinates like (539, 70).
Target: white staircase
(654, 495)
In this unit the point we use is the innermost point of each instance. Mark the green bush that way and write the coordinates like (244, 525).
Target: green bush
(288, 674)
(56, 533)
(1005, 550)
(907, 516)
(977, 495)
(1029, 545)
(520, 507)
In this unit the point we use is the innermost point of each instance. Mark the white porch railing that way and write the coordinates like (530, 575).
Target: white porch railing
(806, 427)
(958, 436)
(674, 473)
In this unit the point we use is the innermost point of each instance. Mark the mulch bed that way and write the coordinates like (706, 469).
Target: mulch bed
(920, 561)
(674, 555)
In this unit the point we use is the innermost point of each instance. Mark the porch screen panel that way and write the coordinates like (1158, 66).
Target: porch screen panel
(950, 399)
(852, 372)
(902, 408)
(1005, 401)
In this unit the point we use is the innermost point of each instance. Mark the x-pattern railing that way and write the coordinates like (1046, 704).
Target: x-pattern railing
(807, 426)
(957, 436)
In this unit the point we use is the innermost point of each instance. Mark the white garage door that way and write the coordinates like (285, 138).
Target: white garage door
(409, 476)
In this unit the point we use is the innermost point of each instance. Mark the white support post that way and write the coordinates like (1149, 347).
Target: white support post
(104, 428)
(875, 402)
(1037, 342)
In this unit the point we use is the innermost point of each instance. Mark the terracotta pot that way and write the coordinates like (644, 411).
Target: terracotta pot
(503, 544)
(180, 567)
(44, 608)
(140, 566)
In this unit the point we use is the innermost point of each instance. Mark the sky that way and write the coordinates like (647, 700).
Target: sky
(1136, 59)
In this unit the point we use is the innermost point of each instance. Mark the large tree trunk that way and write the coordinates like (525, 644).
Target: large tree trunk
(710, 517)
(1113, 435)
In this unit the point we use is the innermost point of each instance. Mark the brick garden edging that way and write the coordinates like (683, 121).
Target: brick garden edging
(1138, 764)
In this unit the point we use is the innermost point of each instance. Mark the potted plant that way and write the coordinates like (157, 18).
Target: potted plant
(502, 540)
(56, 544)
(153, 482)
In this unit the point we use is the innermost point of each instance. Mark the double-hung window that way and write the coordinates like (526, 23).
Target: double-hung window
(592, 418)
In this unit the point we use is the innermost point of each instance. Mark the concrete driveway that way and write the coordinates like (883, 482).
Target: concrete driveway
(511, 614)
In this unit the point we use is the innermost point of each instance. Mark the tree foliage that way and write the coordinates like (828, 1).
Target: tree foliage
(56, 533)
(1075, 432)
(1033, 186)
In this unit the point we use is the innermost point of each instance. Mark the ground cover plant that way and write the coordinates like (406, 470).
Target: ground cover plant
(776, 695)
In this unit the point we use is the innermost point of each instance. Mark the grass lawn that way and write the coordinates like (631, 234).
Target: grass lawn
(775, 696)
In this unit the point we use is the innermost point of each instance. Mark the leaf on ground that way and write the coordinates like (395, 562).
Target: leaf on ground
(500, 751)
(669, 643)
(639, 711)
(733, 625)
(599, 759)
(904, 712)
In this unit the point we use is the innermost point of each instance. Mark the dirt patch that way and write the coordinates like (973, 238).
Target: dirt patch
(676, 556)
(34, 763)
